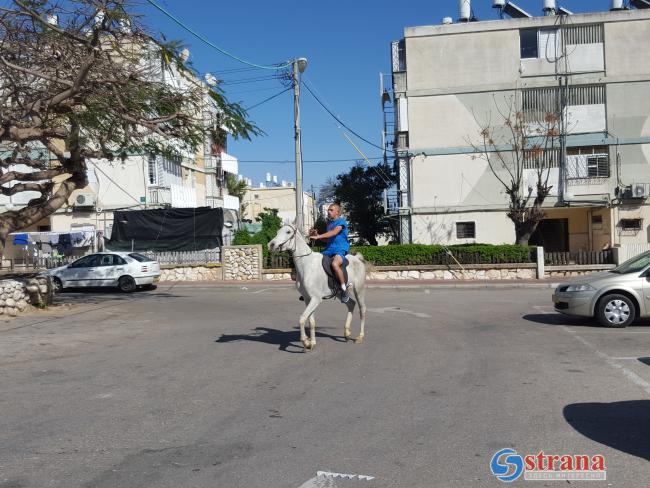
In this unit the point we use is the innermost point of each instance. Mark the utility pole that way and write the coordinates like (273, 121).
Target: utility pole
(299, 66)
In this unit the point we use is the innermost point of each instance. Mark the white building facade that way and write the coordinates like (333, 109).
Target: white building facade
(451, 80)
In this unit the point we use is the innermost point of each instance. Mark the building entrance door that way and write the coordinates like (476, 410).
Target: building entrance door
(552, 234)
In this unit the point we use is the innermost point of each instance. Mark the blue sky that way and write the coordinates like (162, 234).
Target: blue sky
(347, 44)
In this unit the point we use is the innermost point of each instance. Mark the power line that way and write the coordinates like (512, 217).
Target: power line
(287, 161)
(268, 99)
(340, 121)
(214, 46)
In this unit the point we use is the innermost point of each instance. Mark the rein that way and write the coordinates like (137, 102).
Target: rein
(295, 244)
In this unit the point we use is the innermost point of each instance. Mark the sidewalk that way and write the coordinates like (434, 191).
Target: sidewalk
(390, 284)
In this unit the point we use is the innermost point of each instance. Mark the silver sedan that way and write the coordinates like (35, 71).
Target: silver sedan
(615, 298)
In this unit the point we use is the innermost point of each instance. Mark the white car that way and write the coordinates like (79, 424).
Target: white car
(125, 270)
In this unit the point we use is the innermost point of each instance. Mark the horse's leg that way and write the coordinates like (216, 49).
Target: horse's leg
(360, 293)
(312, 329)
(309, 309)
(348, 320)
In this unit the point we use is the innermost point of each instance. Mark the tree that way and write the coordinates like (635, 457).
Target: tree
(520, 152)
(83, 79)
(360, 192)
(237, 188)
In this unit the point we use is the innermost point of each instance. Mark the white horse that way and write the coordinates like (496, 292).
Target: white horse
(312, 282)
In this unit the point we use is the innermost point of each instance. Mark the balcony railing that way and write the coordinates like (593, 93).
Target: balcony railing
(159, 195)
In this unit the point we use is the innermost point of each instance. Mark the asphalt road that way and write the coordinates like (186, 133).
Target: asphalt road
(209, 387)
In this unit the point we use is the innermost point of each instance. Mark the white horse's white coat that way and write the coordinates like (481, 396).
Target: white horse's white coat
(311, 282)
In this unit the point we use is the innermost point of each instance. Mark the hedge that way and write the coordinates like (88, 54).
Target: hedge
(421, 254)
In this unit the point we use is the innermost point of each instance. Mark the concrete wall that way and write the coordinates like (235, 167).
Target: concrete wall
(458, 78)
(491, 228)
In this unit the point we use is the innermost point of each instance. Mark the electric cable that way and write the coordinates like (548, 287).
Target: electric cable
(340, 121)
(214, 46)
(267, 99)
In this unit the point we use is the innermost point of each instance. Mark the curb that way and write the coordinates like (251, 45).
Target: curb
(406, 285)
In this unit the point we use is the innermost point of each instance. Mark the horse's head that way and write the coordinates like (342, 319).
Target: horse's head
(284, 240)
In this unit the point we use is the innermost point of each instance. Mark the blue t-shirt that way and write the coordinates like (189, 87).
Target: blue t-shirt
(340, 241)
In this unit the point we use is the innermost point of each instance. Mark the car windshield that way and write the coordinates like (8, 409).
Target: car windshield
(140, 257)
(634, 265)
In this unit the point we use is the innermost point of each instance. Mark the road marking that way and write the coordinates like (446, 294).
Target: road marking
(259, 291)
(400, 310)
(629, 374)
(325, 479)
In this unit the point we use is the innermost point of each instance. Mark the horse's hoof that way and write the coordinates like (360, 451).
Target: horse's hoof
(358, 340)
(348, 336)
(307, 345)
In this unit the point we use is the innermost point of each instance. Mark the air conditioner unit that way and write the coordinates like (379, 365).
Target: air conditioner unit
(639, 190)
(84, 200)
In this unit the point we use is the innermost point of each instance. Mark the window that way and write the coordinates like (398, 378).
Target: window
(538, 102)
(588, 162)
(583, 34)
(528, 43)
(153, 170)
(466, 230)
(631, 224)
(140, 257)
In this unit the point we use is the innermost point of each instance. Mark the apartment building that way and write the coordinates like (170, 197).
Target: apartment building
(137, 182)
(283, 198)
(592, 70)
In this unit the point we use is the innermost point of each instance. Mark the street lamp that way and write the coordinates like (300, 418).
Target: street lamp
(298, 67)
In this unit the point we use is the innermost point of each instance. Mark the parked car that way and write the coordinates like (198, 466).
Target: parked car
(615, 298)
(127, 271)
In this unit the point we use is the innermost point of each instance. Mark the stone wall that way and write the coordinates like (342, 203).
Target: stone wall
(569, 271)
(191, 273)
(475, 272)
(510, 273)
(242, 263)
(16, 294)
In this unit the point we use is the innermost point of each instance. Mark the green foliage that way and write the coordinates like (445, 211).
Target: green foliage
(242, 238)
(271, 223)
(420, 254)
(320, 225)
(360, 192)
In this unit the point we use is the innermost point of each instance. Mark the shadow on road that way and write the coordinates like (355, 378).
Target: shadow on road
(105, 294)
(622, 425)
(645, 361)
(282, 338)
(559, 319)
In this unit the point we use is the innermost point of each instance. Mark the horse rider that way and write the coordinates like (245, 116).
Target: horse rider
(337, 245)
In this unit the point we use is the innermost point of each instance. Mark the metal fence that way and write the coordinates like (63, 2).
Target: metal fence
(211, 256)
(579, 257)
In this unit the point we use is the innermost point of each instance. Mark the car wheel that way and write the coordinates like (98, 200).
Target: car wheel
(126, 284)
(57, 284)
(615, 311)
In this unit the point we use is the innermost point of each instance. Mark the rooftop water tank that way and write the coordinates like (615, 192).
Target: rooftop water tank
(617, 5)
(464, 10)
(549, 7)
(447, 20)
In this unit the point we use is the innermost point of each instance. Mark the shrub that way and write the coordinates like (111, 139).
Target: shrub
(242, 238)
(421, 254)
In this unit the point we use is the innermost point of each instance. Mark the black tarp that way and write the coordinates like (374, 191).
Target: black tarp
(167, 229)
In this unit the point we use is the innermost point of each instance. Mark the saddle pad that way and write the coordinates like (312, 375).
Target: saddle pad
(331, 279)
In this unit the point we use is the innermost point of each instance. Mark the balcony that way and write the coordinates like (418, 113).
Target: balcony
(159, 196)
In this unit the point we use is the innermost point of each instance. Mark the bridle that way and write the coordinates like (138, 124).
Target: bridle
(295, 244)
